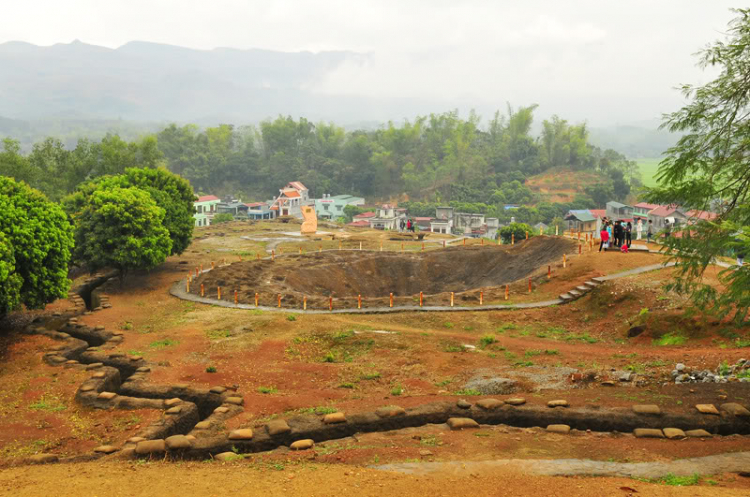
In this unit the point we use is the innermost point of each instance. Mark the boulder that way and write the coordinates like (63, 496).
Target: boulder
(462, 423)
(241, 434)
(735, 409)
(277, 427)
(490, 404)
(302, 444)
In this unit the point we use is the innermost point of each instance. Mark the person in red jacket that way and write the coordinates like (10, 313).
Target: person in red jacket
(604, 235)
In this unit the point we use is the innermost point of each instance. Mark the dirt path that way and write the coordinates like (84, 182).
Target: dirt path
(213, 479)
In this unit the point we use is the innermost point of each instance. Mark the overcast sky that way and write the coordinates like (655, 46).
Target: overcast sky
(597, 60)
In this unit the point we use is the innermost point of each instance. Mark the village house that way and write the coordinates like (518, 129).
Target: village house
(291, 199)
(332, 207)
(641, 209)
(667, 213)
(233, 206)
(259, 211)
(388, 218)
(618, 212)
(205, 208)
(581, 220)
(423, 223)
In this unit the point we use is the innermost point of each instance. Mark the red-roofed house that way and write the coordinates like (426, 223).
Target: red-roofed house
(359, 224)
(364, 216)
(205, 208)
(702, 216)
(642, 209)
(664, 213)
(291, 199)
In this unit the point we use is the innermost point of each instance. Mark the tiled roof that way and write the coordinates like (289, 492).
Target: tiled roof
(598, 213)
(207, 198)
(663, 211)
(256, 204)
(646, 206)
(359, 224)
(297, 185)
(703, 215)
(291, 193)
(365, 215)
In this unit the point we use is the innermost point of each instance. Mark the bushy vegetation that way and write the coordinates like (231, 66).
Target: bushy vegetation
(35, 247)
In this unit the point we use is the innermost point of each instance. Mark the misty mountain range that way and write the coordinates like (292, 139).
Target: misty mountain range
(76, 89)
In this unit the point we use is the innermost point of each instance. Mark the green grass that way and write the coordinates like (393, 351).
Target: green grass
(670, 339)
(468, 391)
(487, 340)
(397, 390)
(346, 385)
(454, 348)
(218, 334)
(162, 344)
(211, 369)
(48, 403)
(370, 376)
(677, 481)
(648, 167)
(291, 317)
(532, 353)
(320, 410)
(267, 390)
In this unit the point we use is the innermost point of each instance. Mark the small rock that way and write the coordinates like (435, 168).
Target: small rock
(425, 453)
(463, 404)
(698, 434)
(558, 403)
(174, 410)
(336, 417)
(648, 433)
(237, 401)
(646, 409)
(564, 429)
(707, 409)
(202, 425)
(178, 442)
(626, 376)
(172, 402)
(105, 449)
(150, 447)
(515, 401)
(99, 375)
(490, 404)
(135, 440)
(462, 423)
(390, 411)
(227, 456)
(302, 444)
(107, 395)
(241, 434)
(94, 365)
(218, 390)
(43, 458)
(608, 383)
(221, 410)
(679, 368)
(277, 427)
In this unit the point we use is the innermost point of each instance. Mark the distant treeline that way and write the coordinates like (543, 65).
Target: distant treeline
(438, 158)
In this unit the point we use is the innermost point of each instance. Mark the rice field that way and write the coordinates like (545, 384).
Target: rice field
(649, 167)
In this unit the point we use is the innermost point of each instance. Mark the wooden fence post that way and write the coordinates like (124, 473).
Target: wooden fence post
(451, 299)
(236, 300)
(203, 292)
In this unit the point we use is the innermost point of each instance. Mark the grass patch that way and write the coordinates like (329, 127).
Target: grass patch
(162, 344)
(211, 369)
(487, 340)
(448, 324)
(635, 368)
(454, 348)
(347, 385)
(291, 317)
(523, 364)
(552, 352)
(267, 390)
(397, 390)
(370, 376)
(670, 339)
(49, 404)
(531, 353)
(468, 392)
(217, 334)
(320, 410)
(676, 481)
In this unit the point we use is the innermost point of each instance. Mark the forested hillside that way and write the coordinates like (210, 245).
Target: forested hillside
(437, 158)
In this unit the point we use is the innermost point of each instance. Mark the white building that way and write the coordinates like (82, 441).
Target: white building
(291, 199)
(388, 218)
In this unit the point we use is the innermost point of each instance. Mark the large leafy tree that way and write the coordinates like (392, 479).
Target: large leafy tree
(709, 168)
(35, 243)
(120, 228)
(170, 192)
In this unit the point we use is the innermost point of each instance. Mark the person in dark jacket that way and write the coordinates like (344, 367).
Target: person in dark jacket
(628, 234)
(618, 234)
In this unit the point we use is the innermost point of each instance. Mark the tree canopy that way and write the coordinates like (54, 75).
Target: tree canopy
(708, 168)
(120, 228)
(35, 243)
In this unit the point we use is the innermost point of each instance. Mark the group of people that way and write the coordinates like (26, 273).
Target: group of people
(620, 234)
(408, 225)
